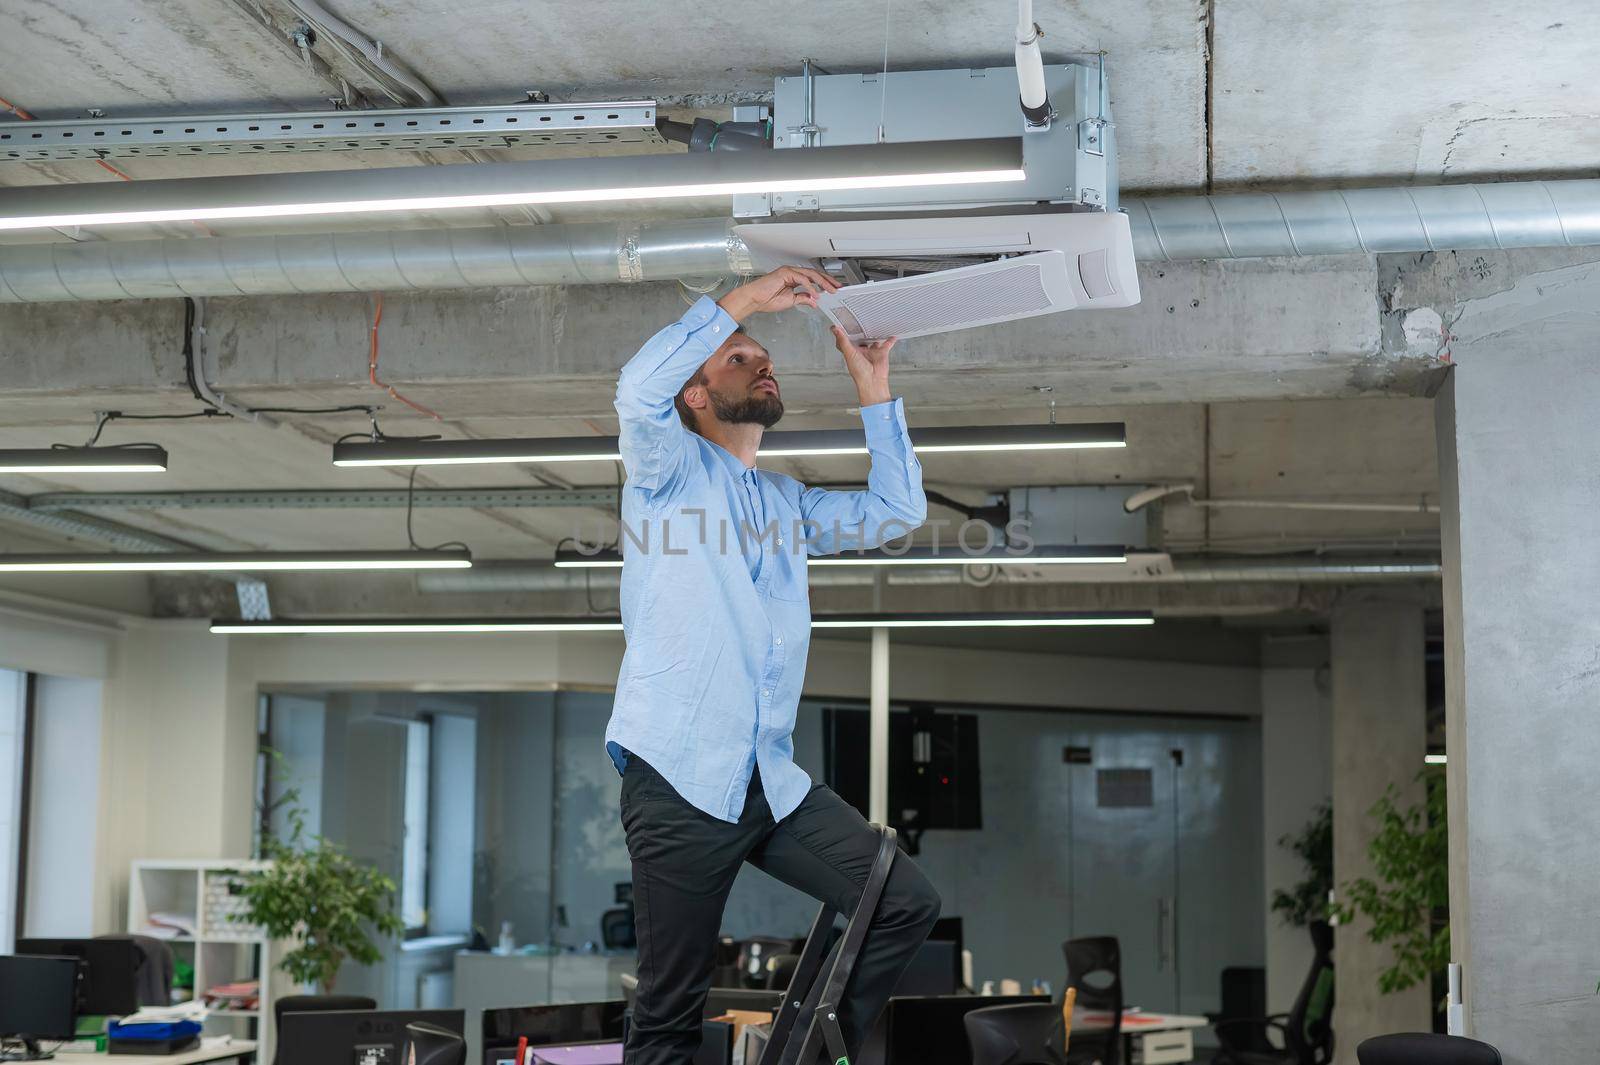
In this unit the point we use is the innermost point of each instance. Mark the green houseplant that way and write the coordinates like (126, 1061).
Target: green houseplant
(315, 895)
(1408, 901)
(1307, 901)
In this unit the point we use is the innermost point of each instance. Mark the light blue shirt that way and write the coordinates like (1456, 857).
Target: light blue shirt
(714, 597)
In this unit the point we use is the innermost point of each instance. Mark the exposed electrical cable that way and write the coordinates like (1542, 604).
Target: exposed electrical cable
(372, 363)
(411, 492)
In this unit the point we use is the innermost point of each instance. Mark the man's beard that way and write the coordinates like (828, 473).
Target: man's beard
(762, 409)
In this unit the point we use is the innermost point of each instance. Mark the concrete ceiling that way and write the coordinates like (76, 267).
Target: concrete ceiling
(1264, 379)
(1235, 92)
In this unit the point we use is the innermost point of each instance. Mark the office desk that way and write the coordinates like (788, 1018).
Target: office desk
(239, 1048)
(1151, 1038)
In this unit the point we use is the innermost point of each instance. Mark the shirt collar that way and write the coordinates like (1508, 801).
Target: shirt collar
(734, 465)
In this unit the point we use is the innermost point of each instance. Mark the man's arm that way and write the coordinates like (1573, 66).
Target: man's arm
(893, 504)
(653, 439)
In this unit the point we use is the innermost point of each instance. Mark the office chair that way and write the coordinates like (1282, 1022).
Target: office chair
(1306, 1031)
(315, 1004)
(780, 971)
(428, 1044)
(1094, 967)
(753, 955)
(1024, 1034)
(1425, 1048)
(1244, 998)
(616, 929)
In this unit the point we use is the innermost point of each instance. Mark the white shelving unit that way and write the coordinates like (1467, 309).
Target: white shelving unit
(222, 951)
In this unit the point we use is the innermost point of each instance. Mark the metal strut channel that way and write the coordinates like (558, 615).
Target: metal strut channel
(512, 126)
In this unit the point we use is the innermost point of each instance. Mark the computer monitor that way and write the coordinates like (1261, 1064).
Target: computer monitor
(950, 929)
(550, 1025)
(932, 970)
(355, 1037)
(38, 1000)
(931, 1030)
(111, 986)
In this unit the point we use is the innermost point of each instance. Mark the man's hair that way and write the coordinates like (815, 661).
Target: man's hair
(686, 412)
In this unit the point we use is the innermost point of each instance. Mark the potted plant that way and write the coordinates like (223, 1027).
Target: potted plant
(1409, 900)
(316, 896)
(1307, 901)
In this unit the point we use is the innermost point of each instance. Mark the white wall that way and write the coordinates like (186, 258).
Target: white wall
(63, 809)
(1296, 778)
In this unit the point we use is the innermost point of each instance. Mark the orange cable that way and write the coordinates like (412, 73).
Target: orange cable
(14, 109)
(372, 363)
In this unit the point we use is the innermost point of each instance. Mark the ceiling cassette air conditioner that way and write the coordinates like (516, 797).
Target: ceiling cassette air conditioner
(933, 274)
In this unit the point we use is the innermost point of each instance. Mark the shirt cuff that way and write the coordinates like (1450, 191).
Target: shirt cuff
(707, 318)
(884, 420)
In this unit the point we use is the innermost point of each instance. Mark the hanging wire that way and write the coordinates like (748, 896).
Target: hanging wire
(411, 493)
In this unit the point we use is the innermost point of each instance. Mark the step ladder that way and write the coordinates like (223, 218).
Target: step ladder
(809, 1018)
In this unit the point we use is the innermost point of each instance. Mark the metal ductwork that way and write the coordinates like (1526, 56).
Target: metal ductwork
(1513, 214)
(537, 577)
(1523, 214)
(390, 260)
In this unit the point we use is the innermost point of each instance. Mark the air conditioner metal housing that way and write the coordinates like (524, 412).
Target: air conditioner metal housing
(940, 257)
(1073, 162)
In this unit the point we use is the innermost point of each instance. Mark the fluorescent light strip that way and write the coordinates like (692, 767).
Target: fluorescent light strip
(562, 181)
(996, 622)
(786, 444)
(1436, 759)
(510, 199)
(838, 621)
(221, 562)
(601, 455)
(83, 460)
(408, 627)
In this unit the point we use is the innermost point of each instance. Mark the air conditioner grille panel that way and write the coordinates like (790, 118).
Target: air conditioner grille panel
(953, 299)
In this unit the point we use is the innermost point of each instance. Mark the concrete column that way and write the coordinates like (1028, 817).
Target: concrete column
(1379, 739)
(1520, 509)
(1296, 779)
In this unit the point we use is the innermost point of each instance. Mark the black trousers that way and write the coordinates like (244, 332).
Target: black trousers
(684, 864)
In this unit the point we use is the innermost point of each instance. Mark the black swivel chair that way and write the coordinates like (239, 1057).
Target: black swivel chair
(1244, 998)
(1094, 967)
(1425, 1048)
(1305, 1033)
(428, 1044)
(315, 1004)
(1024, 1034)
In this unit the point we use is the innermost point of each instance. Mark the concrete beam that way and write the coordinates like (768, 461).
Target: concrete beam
(1205, 331)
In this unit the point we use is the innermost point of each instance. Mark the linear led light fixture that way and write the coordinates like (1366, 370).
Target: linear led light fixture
(613, 624)
(1435, 759)
(913, 556)
(556, 181)
(224, 562)
(83, 460)
(796, 443)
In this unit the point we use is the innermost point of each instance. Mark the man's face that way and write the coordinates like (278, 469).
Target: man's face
(740, 386)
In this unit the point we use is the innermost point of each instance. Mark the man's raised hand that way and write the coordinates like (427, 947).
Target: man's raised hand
(783, 288)
(868, 364)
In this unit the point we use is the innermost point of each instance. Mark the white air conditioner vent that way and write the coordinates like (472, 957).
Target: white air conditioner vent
(953, 299)
(1073, 259)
